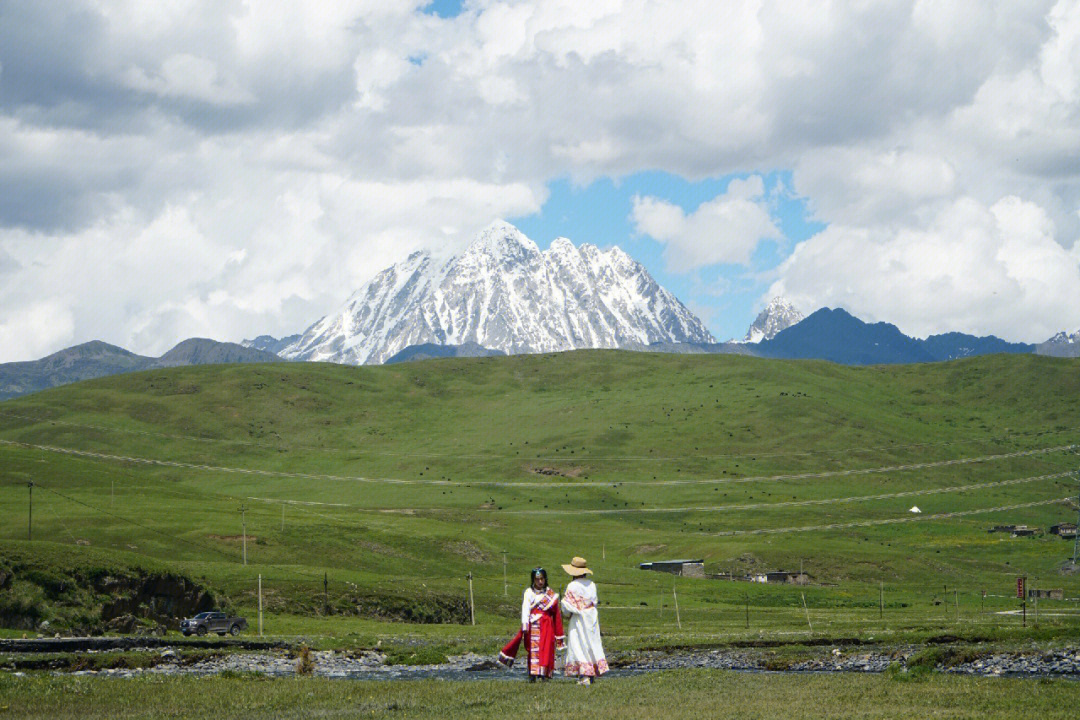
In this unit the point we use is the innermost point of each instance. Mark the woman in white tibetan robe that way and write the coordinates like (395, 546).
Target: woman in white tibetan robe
(584, 651)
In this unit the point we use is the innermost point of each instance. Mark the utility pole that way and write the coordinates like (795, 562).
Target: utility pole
(243, 528)
(1076, 538)
(472, 608)
(504, 573)
(30, 513)
(260, 605)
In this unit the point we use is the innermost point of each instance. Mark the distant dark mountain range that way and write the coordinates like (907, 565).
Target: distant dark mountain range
(98, 359)
(429, 351)
(953, 345)
(828, 334)
(842, 338)
(838, 336)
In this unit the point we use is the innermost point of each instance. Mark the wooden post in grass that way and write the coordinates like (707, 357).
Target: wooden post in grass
(243, 529)
(260, 605)
(472, 608)
(30, 512)
(1076, 537)
(325, 595)
(807, 611)
(678, 619)
(956, 600)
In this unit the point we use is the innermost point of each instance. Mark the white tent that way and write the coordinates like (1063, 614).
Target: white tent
(915, 509)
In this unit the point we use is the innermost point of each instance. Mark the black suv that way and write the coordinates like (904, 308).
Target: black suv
(217, 622)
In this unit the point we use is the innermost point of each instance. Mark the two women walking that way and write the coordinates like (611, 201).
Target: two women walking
(542, 627)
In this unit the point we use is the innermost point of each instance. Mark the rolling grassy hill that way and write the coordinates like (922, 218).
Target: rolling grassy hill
(397, 481)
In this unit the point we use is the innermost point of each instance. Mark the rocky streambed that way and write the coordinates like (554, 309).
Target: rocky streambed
(373, 665)
(1064, 662)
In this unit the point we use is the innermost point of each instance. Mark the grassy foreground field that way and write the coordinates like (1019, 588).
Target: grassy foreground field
(681, 694)
(394, 483)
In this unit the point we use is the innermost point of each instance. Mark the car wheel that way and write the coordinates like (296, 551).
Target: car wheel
(187, 634)
(235, 630)
(201, 631)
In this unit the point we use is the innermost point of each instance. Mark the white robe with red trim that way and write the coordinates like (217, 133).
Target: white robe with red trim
(584, 650)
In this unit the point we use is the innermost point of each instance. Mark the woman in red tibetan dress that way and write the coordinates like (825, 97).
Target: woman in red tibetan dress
(541, 628)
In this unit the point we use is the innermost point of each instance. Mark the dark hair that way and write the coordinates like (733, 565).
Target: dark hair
(538, 571)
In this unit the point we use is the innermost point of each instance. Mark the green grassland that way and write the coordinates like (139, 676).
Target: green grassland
(688, 694)
(398, 481)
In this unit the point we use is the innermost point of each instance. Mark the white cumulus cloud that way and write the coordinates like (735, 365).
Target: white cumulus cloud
(726, 229)
(316, 143)
(980, 269)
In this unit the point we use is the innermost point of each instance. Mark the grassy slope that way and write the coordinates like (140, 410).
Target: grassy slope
(600, 419)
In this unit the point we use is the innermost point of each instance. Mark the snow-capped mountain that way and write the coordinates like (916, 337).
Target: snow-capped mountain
(505, 294)
(778, 315)
(1061, 345)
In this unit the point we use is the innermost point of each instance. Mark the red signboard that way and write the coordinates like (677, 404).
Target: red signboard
(1020, 583)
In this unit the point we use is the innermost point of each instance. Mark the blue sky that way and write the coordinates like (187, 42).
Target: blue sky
(444, 8)
(726, 297)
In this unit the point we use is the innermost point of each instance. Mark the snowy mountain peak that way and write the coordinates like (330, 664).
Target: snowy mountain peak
(501, 239)
(503, 293)
(561, 246)
(778, 315)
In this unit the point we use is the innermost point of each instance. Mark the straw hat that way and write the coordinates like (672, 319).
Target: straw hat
(577, 567)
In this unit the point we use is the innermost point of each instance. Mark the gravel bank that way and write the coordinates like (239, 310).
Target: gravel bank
(371, 665)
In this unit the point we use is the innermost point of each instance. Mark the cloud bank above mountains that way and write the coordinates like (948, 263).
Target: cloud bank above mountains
(223, 168)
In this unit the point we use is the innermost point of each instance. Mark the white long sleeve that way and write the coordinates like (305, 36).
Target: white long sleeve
(527, 602)
(568, 608)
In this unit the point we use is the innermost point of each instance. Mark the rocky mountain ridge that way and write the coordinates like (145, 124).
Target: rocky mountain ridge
(503, 293)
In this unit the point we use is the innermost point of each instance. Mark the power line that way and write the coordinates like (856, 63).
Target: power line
(136, 523)
(694, 508)
(529, 483)
(192, 543)
(889, 521)
(786, 503)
